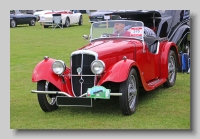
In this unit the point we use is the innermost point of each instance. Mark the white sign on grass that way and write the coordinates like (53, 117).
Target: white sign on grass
(42, 18)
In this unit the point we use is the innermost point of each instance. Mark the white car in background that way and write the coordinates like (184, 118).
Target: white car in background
(67, 18)
(37, 13)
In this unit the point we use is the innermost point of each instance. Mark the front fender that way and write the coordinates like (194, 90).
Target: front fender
(43, 71)
(118, 72)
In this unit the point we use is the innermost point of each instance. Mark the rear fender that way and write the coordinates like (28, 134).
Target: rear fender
(179, 33)
(118, 72)
(164, 58)
(43, 71)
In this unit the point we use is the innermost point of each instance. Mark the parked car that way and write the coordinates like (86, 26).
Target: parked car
(17, 18)
(67, 18)
(99, 15)
(37, 13)
(82, 11)
(109, 66)
(173, 24)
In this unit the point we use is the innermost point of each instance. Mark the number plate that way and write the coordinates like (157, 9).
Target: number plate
(137, 31)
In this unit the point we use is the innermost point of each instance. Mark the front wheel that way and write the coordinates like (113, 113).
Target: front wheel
(13, 23)
(129, 89)
(172, 69)
(47, 101)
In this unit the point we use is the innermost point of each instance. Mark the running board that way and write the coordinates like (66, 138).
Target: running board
(157, 82)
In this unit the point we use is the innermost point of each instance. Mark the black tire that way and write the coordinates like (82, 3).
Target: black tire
(32, 22)
(67, 22)
(129, 89)
(13, 23)
(172, 69)
(44, 103)
(80, 21)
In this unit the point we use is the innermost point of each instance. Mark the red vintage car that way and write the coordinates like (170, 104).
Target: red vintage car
(114, 63)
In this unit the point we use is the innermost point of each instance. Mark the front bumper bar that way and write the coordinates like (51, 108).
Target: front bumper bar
(65, 94)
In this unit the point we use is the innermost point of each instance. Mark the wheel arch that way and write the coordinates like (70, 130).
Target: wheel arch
(164, 57)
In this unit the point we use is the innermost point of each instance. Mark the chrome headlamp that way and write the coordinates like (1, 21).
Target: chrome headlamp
(97, 66)
(58, 67)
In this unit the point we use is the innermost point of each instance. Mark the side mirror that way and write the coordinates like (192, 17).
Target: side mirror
(85, 37)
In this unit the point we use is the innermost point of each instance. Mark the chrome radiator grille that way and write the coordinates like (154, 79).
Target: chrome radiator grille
(83, 60)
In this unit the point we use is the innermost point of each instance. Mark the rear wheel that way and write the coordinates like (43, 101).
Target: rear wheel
(32, 22)
(129, 89)
(80, 21)
(67, 22)
(47, 101)
(172, 69)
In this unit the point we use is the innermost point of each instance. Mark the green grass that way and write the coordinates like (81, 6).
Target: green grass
(163, 108)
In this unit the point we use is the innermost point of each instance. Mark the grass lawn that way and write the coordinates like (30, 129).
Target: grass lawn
(163, 108)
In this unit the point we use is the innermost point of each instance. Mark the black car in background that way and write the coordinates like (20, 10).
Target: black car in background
(99, 15)
(18, 18)
(173, 24)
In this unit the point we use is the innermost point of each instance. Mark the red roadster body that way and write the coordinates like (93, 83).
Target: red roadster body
(108, 66)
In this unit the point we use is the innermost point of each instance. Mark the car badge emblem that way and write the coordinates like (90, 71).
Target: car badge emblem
(79, 70)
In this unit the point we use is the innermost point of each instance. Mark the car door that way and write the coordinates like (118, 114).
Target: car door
(75, 16)
(149, 63)
(20, 17)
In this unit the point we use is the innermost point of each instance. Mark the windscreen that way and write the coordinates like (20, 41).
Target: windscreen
(117, 28)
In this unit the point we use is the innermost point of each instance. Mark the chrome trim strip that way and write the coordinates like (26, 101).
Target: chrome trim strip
(158, 46)
(89, 52)
(81, 76)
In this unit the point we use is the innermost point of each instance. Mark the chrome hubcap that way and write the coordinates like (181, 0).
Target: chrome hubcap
(32, 22)
(67, 23)
(13, 23)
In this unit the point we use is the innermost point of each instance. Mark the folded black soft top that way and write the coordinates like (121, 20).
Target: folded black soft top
(138, 14)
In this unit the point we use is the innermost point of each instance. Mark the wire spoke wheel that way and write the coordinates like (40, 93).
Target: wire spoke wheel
(132, 92)
(172, 69)
(129, 89)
